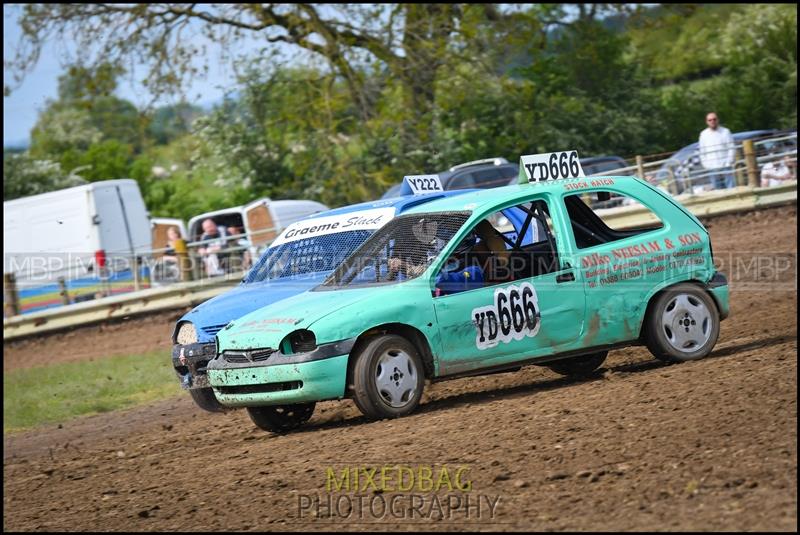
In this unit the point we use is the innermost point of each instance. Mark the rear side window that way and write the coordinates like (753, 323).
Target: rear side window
(603, 222)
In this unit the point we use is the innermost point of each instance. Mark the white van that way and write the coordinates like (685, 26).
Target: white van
(74, 236)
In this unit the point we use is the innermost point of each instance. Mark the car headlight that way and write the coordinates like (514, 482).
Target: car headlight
(302, 341)
(187, 334)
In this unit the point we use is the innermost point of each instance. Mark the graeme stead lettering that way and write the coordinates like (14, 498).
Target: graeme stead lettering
(336, 225)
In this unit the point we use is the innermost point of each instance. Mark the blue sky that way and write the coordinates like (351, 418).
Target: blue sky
(21, 108)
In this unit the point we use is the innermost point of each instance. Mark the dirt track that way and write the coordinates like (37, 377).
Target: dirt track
(642, 446)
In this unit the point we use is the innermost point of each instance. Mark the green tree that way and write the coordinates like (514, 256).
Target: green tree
(170, 122)
(408, 43)
(24, 176)
(759, 49)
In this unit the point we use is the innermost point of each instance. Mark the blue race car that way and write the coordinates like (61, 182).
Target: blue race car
(299, 259)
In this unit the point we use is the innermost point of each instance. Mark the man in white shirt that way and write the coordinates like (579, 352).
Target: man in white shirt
(717, 152)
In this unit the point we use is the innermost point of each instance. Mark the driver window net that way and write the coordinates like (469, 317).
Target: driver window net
(311, 255)
(402, 250)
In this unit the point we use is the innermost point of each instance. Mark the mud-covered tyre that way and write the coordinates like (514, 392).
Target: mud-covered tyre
(206, 400)
(682, 324)
(281, 418)
(387, 377)
(579, 366)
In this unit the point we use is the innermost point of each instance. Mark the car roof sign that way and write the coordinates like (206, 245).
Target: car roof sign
(549, 166)
(420, 184)
(319, 226)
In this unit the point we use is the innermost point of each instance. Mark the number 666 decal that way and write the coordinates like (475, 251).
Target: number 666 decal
(513, 315)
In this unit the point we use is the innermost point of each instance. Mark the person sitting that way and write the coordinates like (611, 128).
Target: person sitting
(460, 271)
(777, 172)
(453, 278)
(173, 235)
(216, 236)
(493, 253)
(242, 242)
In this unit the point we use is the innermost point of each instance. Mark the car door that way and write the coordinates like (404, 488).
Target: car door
(534, 312)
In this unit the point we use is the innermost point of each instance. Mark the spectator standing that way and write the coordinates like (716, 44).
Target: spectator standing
(717, 152)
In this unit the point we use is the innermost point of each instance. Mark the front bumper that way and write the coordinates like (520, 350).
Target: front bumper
(280, 384)
(190, 361)
(282, 379)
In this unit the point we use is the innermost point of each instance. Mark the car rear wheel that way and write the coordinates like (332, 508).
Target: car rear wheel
(579, 366)
(682, 325)
(206, 400)
(388, 377)
(281, 418)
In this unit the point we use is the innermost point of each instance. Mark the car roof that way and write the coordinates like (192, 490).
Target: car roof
(475, 200)
(400, 204)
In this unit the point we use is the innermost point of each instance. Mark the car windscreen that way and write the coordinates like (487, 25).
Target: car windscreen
(306, 256)
(401, 250)
(394, 191)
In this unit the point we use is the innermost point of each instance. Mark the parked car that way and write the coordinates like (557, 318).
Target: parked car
(298, 259)
(598, 165)
(440, 292)
(685, 168)
(480, 174)
(495, 172)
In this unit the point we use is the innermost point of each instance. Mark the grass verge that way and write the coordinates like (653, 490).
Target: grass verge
(56, 393)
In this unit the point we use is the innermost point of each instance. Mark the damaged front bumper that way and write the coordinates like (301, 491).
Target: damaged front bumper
(190, 361)
(239, 380)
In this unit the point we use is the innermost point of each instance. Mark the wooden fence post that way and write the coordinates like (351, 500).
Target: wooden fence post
(137, 284)
(184, 264)
(10, 295)
(640, 166)
(62, 291)
(672, 184)
(750, 162)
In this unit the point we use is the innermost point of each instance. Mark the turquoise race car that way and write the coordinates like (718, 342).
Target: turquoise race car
(483, 282)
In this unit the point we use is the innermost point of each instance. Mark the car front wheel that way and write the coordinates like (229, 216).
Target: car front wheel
(388, 377)
(579, 366)
(206, 400)
(682, 324)
(281, 418)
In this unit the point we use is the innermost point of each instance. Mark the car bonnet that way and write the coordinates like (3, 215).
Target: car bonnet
(267, 327)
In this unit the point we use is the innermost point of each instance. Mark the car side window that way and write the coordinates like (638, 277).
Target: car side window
(508, 245)
(595, 225)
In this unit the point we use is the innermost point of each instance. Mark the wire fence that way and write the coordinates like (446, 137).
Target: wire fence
(760, 162)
